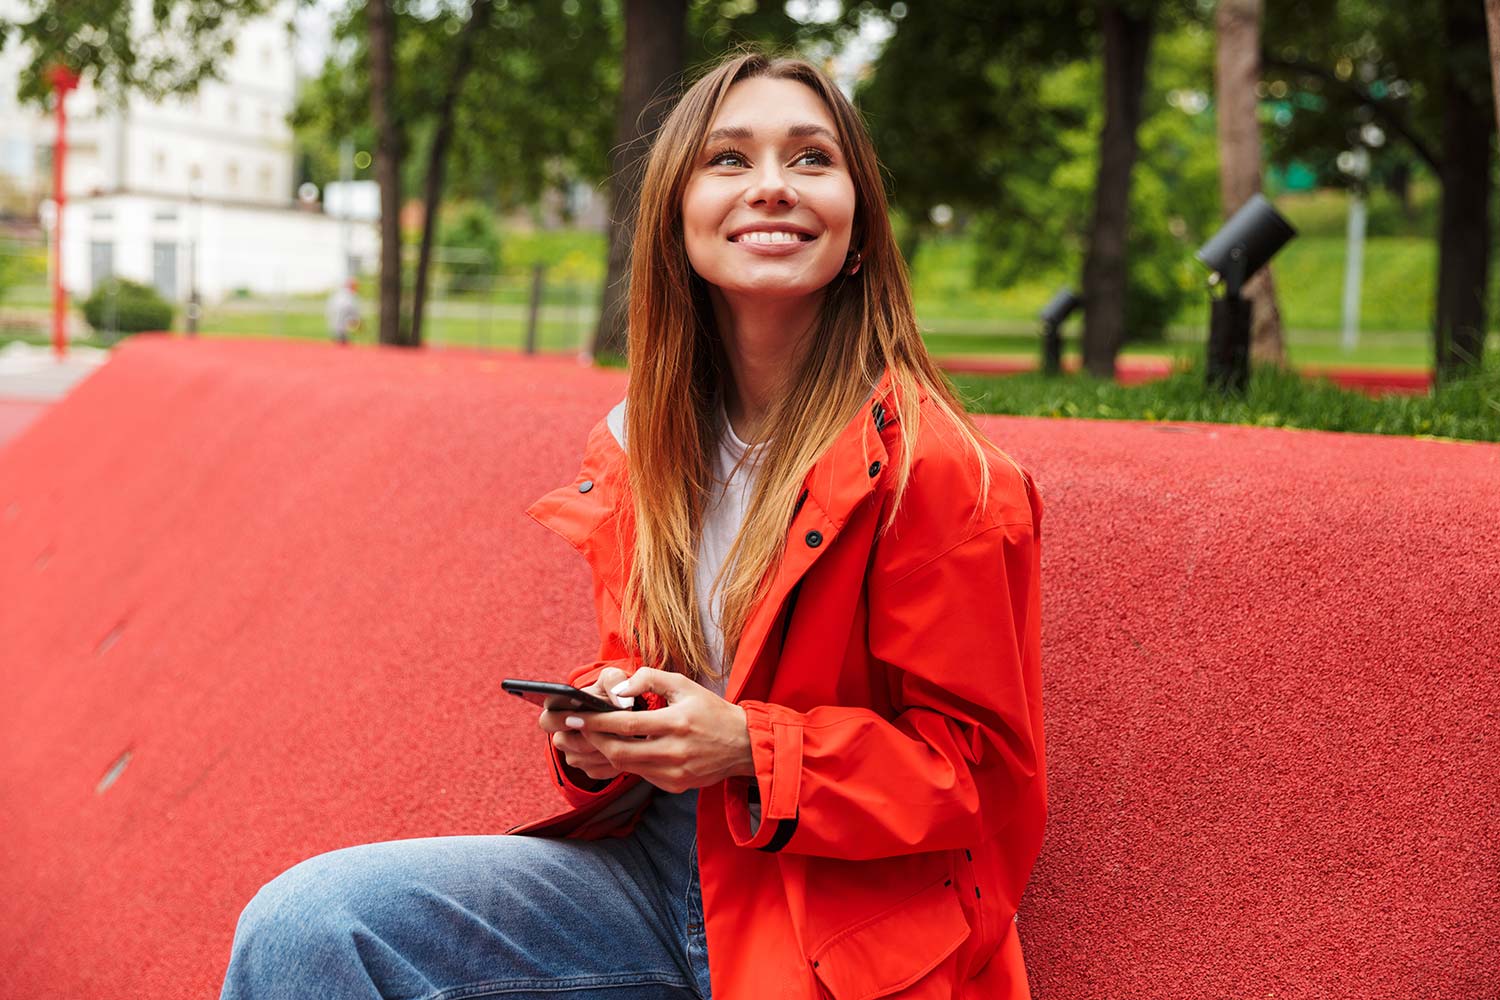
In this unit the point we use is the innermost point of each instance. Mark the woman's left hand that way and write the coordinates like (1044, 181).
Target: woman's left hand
(696, 739)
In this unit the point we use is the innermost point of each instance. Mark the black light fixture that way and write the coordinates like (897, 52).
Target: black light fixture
(1054, 313)
(1247, 243)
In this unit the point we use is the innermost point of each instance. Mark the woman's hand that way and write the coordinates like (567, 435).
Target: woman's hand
(697, 739)
(576, 749)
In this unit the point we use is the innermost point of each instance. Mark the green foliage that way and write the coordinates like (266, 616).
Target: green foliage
(1174, 196)
(1009, 135)
(1469, 409)
(122, 306)
(472, 232)
(536, 111)
(106, 42)
(1341, 64)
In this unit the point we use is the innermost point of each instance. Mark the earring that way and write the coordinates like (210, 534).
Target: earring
(855, 260)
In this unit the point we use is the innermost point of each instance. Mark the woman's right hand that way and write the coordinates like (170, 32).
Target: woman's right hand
(577, 751)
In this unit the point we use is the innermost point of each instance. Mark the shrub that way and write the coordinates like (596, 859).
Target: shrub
(472, 242)
(120, 306)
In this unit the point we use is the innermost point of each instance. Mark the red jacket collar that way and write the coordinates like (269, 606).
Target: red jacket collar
(595, 514)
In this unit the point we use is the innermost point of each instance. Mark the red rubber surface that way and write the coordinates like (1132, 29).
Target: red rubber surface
(286, 579)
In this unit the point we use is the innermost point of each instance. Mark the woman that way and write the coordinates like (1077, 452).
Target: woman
(821, 579)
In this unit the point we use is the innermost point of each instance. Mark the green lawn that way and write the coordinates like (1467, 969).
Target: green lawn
(959, 318)
(1467, 410)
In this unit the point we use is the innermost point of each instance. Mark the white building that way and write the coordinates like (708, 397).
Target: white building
(186, 193)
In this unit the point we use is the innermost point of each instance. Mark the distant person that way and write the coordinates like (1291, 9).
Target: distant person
(343, 311)
(824, 582)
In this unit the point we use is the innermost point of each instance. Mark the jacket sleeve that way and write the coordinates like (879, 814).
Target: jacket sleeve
(578, 788)
(960, 638)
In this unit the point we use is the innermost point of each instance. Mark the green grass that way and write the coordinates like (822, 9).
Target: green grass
(958, 318)
(1465, 410)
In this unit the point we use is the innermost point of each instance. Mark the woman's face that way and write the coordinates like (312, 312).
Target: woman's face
(769, 207)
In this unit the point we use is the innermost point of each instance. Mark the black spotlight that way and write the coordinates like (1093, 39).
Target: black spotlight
(1054, 314)
(1247, 242)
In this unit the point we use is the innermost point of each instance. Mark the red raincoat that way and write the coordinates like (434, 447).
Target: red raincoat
(893, 692)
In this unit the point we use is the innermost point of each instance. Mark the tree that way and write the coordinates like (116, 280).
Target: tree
(1421, 74)
(1010, 140)
(1492, 17)
(1236, 79)
(1127, 48)
(493, 103)
(437, 150)
(654, 45)
(390, 148)
(661, 38)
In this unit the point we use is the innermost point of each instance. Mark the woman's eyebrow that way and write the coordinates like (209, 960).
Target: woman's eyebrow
(799, 131)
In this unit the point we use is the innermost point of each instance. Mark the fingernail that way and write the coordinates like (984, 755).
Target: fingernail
(624, 702)
(618, 688)
(573, 722)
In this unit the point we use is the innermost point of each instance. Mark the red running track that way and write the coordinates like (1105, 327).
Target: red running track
(256, 599)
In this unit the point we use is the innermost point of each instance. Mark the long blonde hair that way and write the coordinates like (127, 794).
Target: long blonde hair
(866, 324)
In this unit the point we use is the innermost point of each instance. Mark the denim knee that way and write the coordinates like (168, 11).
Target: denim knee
(306, 918)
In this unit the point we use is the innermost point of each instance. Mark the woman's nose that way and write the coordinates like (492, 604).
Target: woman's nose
(771, 186)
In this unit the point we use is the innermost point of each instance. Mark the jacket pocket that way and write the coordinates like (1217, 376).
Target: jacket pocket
(893, 949)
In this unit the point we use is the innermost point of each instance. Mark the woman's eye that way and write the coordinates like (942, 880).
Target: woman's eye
(820, 158)
(719, 159)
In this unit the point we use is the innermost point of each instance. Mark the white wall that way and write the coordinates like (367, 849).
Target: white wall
(267, 250)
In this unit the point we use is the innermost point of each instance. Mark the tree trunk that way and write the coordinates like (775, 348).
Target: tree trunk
(655, 32)
(1127, 46)
(389, 152)
(1236, 74)
(1492, 15)
(437, 154)
(1463, 228)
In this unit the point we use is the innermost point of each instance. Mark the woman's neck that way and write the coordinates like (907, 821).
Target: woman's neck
(763, 340)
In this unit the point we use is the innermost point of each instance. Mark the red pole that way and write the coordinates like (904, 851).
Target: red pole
(63, 80)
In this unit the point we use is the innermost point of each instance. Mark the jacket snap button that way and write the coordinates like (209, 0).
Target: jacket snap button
(814, 539)
(874, 469)
(585, 486)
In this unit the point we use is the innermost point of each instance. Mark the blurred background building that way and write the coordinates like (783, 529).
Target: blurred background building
(183, 193)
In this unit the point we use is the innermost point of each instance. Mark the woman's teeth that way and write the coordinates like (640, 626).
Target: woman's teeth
(771, 238)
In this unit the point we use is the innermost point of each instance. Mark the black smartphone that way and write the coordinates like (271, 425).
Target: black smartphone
(559, 697)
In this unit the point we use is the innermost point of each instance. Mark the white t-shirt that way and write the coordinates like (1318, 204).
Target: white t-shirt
(721, 522)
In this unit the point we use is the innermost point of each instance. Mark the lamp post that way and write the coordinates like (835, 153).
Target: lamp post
(62, 80)
(1054, 314)
(1245, 244)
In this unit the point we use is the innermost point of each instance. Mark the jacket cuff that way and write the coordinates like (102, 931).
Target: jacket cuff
(576, 793)
(762, 812)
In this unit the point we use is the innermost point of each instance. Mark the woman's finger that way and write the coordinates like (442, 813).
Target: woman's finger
(666, 683)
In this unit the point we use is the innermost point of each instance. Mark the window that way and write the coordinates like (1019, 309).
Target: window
(265, 180)
(164, 269)
(101, 262)
(159, 162)
(232, 176)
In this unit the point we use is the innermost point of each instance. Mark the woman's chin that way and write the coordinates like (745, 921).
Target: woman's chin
(774, 286)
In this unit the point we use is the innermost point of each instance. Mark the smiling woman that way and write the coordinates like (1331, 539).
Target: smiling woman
(822, 581)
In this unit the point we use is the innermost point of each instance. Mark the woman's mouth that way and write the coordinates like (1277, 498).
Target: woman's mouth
(772, 243)
(762, 237)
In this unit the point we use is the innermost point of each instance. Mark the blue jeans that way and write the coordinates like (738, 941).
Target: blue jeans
(456, 918)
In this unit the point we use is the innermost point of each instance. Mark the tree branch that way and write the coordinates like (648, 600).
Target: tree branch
(1392, 118)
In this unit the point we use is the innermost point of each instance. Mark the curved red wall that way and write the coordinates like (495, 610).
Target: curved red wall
(282, 581)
